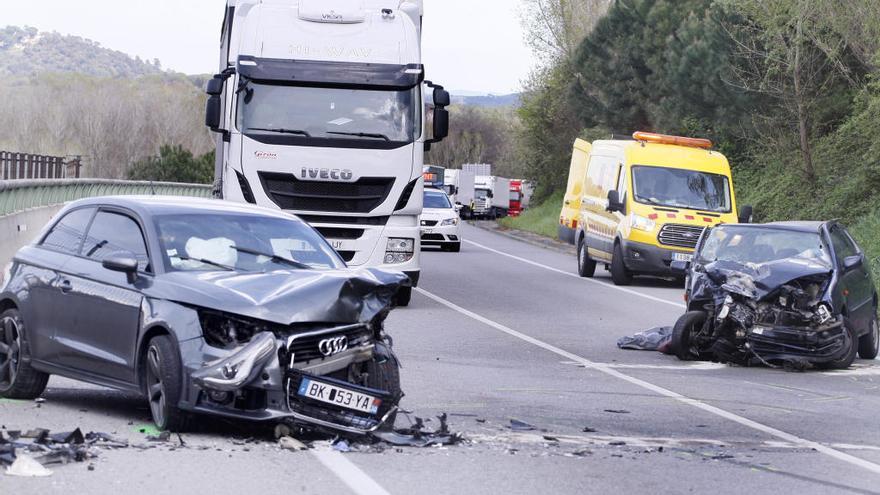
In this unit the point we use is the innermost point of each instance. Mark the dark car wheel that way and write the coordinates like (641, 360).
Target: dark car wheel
(619, 274)
(17, 379)
(852, 341)
(383, 373)
(681, 344)
(586, 266)
(404, 295)
(162, 382)
(870, 342)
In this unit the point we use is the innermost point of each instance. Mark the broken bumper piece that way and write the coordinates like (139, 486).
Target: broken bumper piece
(234, 372)
(816, 346)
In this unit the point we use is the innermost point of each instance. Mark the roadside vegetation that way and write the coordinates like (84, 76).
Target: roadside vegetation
(541, 219)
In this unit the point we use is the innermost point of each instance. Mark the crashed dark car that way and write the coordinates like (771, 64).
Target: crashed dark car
(203, 307)
(791, 293)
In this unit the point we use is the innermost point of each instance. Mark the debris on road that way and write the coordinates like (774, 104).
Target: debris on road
(27, 467)
(290, 443)
(653, 339)
(517, 425)
(617, 411)
(27, 454)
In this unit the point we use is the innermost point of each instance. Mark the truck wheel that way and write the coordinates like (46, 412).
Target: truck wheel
(870, 342)
(17, 379)
(162, 384)
(383, 373)
(586, 266)
(847, 359)
(689, 324)
(619, 274)
(404, 294)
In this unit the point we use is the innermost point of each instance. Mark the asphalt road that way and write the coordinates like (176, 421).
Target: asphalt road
(505, 330)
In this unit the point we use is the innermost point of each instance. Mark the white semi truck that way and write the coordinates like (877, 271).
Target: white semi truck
(459, 185)
(492, 196)
(319, 109)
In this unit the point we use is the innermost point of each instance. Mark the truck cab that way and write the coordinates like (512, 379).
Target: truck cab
(319, 109)
(516, 198)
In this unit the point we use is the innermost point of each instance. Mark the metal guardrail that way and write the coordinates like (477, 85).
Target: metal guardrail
(28, 166)
(21, 195)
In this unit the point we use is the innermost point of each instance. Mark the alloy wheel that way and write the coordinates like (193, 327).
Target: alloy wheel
(10, 352)
(155, 387)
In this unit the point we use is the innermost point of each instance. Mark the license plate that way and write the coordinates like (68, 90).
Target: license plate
(427, 231)
(682, 257)
(339, 396)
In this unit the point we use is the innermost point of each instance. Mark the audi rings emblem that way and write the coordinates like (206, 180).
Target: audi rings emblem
(333, 346)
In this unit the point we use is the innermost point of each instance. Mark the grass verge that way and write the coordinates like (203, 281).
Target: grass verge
(541, 219)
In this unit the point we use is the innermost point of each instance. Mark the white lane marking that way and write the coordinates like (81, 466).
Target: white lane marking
(788, 437)
(345, 470)
(575, 275)
(683, 367)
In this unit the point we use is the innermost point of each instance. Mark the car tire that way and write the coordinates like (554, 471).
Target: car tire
(619, 274)
(869, 343)
(847, 359)
(404, 295)
(586, 266)
(18, 380)
(163, 383)
(681, 334)
(383, 373)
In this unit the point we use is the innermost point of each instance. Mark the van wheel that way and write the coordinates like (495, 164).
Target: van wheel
(586, 266)
(619, 274)
(689, 324)
(870, 342)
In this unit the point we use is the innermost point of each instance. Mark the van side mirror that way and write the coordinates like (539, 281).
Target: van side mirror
(122, 262)
(614, 204)
(746, 214)
(853, 262)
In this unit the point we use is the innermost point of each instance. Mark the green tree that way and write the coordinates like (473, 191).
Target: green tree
(175, 164)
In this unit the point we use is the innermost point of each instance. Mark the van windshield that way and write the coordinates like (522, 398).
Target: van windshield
(678, 188)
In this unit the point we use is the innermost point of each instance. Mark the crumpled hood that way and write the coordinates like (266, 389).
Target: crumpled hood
(753, 280)
(286, 296)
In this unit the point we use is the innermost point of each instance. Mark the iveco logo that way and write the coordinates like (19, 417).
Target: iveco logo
(333, 346)
(327, 173)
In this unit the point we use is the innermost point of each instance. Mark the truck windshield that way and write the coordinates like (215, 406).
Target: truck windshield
(328, 113)
(678, 188)
(762, 245)
(481, 193)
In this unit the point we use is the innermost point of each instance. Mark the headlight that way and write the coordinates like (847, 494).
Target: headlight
(639, 222)
(227, 331)
(449, 221)
(399, 250)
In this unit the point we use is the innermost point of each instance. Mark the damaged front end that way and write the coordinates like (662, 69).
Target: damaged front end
(338, 376)
(758, 314)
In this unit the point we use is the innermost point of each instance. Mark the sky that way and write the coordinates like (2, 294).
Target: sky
(468, 45)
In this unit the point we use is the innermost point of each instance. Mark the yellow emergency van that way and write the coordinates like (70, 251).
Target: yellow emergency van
(571, 204)
(644, 203)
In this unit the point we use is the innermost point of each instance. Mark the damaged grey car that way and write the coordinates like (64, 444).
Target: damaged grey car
(796, 294)
(203, 307)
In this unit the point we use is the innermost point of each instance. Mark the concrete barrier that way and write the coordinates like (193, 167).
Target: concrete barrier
(19, 229)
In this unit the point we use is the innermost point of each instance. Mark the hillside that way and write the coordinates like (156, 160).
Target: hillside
(490, 101)
(26, 51)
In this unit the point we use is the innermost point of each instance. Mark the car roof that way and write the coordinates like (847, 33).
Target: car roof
(178, 205)
(797, 226)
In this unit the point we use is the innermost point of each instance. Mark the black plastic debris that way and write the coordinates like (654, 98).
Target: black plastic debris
(617, 411)
(517, 425)
(28, 454)
(653, 339)
(417, 436)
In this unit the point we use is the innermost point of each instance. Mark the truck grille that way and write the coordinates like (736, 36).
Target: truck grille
(340, 233)
(685, 236)
(305, 347)
(290, 193)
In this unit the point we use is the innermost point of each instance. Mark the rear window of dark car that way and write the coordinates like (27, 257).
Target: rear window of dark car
(66, 236)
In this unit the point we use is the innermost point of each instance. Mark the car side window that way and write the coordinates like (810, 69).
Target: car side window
(113, 232)
(843, 246)
(67, 235)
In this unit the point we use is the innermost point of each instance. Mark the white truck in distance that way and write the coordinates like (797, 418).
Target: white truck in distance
(459, 185)
(492, 196)
(319, 110)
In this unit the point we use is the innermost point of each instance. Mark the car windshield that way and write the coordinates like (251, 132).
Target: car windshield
(209, 242)
(678, 188)
(328, 113)
(436, 200)
(762, 245)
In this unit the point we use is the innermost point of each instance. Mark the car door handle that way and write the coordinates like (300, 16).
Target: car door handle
(65, 286)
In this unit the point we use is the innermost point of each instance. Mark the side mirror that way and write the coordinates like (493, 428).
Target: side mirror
(746, 214)
(122, 262)
(441, 97)
(853, 262)
(490, 194)
(614, 203)
(214, 112)
(680, 267)
(215, 86)
(441, 124)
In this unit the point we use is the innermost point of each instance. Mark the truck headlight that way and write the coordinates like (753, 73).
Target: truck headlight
(399, 250)
(449, 221)
(639, 222)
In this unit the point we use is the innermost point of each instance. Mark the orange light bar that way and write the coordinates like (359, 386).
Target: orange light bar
(650, 137)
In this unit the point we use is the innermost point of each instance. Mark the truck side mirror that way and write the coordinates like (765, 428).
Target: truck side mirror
(215, 86)
(214, 112)
(745, 214)
(441, 97)
(614, 203)
(441, 124)
(490, 194)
